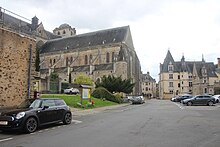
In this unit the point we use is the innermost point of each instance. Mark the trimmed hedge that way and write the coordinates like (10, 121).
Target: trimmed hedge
(103, 93)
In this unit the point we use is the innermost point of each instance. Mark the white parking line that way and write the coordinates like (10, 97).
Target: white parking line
(76, 121)
(181, 107)
(6, 139)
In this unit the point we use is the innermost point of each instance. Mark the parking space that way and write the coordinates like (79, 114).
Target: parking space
(185, 107)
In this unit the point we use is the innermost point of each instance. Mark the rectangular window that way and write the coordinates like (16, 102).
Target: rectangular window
(170, 84)
(170, 76)
(146, 88)
(170, 68)
(190, 84)
(178, 84)
(178, 76)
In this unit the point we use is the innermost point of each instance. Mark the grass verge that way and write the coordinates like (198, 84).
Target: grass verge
(73, 100)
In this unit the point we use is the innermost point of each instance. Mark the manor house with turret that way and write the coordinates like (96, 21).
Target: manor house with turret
(193, 77)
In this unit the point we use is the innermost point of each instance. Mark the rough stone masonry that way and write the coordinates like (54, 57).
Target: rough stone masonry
(14, 67)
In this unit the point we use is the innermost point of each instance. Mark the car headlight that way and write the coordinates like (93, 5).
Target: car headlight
(20, 115)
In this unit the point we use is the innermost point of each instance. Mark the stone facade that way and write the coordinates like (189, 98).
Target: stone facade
(148, 85)
(65, 30)
(95, 54)
(181, 77)
(14, 67)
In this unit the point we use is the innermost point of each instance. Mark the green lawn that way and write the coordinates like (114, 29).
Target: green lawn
(72, 100)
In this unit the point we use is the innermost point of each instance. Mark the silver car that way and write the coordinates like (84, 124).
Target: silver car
(137, 100)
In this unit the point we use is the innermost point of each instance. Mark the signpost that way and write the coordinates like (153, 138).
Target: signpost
(85, 91)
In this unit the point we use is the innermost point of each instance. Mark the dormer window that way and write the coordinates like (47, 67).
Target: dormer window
(204, 71)
(170, 67)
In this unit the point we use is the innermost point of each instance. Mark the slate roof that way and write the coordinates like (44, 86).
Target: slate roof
(167, 61)
(60, 70)
(16, 24)
(114, 35)
(218, 70)
(51, 35)
(84, 68)
(147, 77)
(22, 26)
(44, 71)
(187, 66)
(104, 67)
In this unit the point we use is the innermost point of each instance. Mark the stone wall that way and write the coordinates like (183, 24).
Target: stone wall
(14, 67)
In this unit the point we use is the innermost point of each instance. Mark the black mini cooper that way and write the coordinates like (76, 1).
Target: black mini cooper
(32, 113)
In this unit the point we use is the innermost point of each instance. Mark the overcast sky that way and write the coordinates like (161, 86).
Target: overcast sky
(187, 27)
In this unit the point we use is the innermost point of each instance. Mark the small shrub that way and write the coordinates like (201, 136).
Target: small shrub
(118, 96)
(103, 93)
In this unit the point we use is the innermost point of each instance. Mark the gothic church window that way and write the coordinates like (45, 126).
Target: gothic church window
(86, 59)
(113, 56)
(107, 58)
(50, 62)
(90, 58)
(67, 60)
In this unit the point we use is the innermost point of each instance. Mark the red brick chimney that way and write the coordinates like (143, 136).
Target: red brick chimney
(218, 62)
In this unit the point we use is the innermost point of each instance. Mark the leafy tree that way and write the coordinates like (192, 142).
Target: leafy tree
(83, 79)
(54, 76)
(116, 84)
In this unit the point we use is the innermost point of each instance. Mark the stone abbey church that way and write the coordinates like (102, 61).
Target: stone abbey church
(95, 54)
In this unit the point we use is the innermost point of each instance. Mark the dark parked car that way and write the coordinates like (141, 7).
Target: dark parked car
(200, 100)
(32, 113)
(183, 97)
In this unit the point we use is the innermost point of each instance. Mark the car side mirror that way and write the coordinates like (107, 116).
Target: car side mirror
(45, 107)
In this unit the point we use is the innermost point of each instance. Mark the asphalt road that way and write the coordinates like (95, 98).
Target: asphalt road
(156, 123)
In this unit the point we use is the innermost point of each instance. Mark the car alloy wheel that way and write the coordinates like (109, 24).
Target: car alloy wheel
(210, 103)
(189, 103)
(31, 125)
(67, 118)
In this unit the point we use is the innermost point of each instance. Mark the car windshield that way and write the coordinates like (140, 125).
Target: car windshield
(29, 103)
(35, 104)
